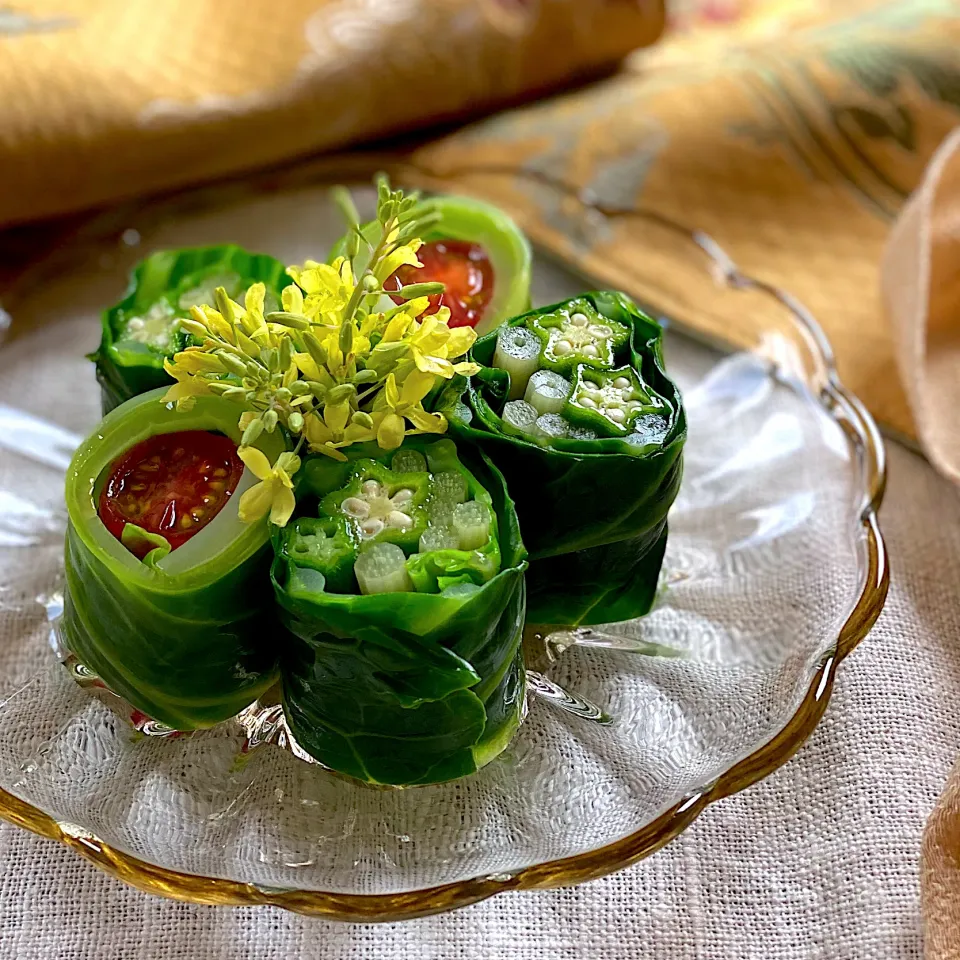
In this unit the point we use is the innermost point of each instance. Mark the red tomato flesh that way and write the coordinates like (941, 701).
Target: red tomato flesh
(172, 484)
(465, 270)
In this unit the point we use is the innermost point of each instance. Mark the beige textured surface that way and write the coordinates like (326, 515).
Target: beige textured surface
(920, 284)
(818, 861)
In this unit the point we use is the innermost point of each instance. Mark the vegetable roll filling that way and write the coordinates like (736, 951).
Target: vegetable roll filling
(570, 361)
(576, 333)
(463, 268)
(158, 327)
(609, 401)
(518, 352)
(438, 524)
(170, 486)
(381, 504)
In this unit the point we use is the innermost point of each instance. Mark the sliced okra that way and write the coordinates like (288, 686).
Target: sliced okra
(577, 334)
(608, 401)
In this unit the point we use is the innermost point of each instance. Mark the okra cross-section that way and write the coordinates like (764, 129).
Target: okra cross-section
(144, 328)
(382, 505)
(425, 506)
(575, 333)
(324, 544)
(608, 401)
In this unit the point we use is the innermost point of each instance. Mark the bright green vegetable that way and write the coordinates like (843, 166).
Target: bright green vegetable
(186, 637)
(461, 218)
(575, 493)
(609, 402)
(324, 544)
(381, 504)
(547, 392)
(419, 681)
(575, 332)
(518, 352)
(143, 329)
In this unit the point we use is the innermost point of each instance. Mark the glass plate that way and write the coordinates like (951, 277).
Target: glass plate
(775, 569)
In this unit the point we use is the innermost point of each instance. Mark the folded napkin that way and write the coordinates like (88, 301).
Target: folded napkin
(101, 99)
(921, 286)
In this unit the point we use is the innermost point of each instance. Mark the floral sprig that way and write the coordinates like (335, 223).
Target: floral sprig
(339, 364)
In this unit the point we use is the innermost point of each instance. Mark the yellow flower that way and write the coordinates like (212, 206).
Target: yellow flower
(402, 256)
(292, 298)
(328, 288)
(312, 370)
(340, 364)
(434, 344)
(188, 387)
(252, 319)
(274, 492)
(320, 278)
(406, 402)
(195, 360)
(328, 432)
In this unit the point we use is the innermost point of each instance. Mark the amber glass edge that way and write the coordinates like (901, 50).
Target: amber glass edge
(837, 401)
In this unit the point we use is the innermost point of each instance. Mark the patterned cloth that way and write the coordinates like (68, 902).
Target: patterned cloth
(102, 99)
(792, 137)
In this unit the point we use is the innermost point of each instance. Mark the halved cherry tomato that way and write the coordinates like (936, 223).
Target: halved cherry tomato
(465, 270)
(172, 484)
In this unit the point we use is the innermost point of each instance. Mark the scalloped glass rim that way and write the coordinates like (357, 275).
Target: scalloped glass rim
(803, 357)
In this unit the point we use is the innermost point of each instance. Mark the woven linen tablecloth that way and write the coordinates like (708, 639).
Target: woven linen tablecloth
(820, 860)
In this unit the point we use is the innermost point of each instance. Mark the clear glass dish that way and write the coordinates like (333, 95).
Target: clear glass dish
(775, 569)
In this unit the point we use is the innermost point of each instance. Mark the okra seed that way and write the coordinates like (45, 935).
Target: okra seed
(371, 488)
(600, 330)
(588, 402)
(591, 351)
(621, 382)
(371, 527)
(579, 320)
(562, 348)
(136, 323)
(402, 496)
(355, 507)
(616, 414)
(595, 395)
(400, 520)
